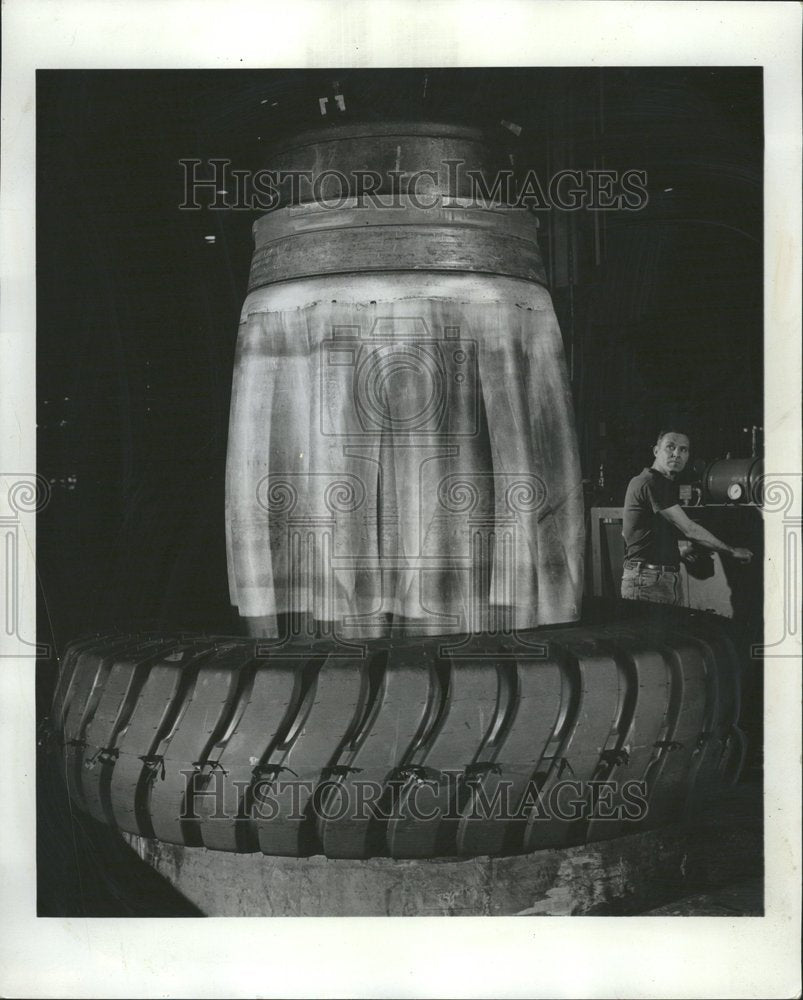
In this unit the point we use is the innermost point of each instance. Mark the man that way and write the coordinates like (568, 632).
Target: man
(654, 522)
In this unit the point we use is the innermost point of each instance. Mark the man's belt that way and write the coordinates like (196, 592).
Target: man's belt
(641, 564)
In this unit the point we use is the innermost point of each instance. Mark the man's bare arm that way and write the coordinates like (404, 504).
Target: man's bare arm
(697, 533)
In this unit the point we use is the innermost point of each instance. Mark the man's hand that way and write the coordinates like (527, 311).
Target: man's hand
(741, 555)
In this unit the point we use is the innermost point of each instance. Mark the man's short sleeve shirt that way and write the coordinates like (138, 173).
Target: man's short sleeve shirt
(647, 534)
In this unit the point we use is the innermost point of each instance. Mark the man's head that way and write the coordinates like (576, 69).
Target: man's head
(671, 453)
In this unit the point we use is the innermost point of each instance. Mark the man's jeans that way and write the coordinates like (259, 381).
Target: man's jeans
(661, 586)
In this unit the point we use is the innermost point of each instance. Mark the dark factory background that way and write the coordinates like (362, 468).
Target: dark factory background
(138, 305)
(138, 301)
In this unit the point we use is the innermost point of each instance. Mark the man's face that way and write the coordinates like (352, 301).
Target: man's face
(671, 454)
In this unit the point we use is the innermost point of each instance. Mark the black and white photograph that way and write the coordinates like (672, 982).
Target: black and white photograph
(414, 480)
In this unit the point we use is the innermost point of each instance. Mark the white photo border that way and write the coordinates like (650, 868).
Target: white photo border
(402, 957)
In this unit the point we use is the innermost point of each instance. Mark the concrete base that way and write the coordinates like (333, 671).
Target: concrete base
(628, 875)
(742, 899)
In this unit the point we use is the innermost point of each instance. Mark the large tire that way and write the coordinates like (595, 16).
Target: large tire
(423, 747)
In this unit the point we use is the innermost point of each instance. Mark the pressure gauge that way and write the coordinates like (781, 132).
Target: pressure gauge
(735, 491)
